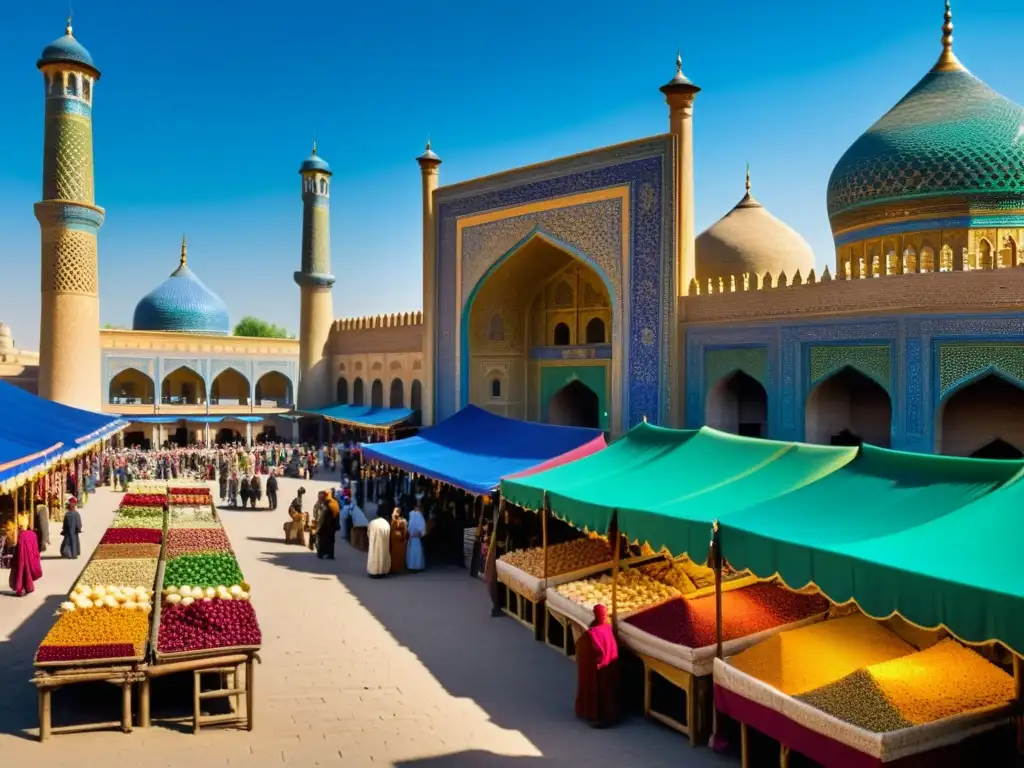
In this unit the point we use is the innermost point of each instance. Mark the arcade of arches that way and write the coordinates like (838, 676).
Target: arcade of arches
(183, 386)
(538, 300)
(395, 396)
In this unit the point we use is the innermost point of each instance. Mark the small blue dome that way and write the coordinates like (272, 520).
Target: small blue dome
(182, 303)
(314, 163)
(66, 49)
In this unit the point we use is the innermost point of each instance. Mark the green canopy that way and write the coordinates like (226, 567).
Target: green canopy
(933, 538)
(668, 485)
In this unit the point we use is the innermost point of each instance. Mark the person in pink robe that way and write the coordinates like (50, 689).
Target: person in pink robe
(27, 566)
(597, 672)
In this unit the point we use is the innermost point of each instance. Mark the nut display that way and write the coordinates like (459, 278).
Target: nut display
(634, 591)
(126, 551)
(562, 558)
(746, 611)
(124, 573)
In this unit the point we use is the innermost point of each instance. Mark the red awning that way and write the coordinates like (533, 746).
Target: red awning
(595, 445)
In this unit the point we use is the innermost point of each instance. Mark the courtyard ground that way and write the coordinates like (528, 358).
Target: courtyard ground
(406, 671)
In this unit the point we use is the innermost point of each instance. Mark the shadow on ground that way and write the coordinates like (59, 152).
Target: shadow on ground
(475, 759)
(443, 616)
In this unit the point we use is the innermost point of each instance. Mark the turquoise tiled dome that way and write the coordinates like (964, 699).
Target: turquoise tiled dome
(314, 163)
(66, 49)
(951, 135)
(182, 303)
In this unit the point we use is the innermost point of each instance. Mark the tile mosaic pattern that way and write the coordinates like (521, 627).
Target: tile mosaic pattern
(67, 159)
(719, 363)
(959, 363)
(182, 303)
(871, 360)
(950, 135)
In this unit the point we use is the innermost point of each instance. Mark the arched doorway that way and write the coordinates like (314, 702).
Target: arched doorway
(131, 387)
(738, 404)
(342, 391)
(998, 449)
(274, 389)
(377, 394)
(397, 399)
(976, 416)
(848, 408)
(229, 388)
(357, 392)
(543, 298)
(575, 405)
(183, 386)
(416, 395)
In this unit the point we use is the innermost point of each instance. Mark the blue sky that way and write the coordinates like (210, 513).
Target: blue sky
(206, 109)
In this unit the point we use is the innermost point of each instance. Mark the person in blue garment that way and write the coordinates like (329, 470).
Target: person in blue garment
(414, 558)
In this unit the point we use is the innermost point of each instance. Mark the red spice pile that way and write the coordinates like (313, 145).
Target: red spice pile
(747, 611)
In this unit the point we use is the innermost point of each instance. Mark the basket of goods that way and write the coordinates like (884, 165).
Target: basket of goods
(865, 690)
(633, 592)
(98, 624)
(143, 500)
(523, 569)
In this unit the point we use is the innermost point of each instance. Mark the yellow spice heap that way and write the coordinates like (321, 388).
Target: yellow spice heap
(801, 660)
(943, 680)
(634, 591)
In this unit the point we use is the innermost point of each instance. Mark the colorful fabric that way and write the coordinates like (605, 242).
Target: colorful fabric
(26, 567)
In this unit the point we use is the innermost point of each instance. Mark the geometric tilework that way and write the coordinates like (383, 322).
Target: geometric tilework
(69, 261)
(719, 363)
(182, 303)
(873, 361)
(960, 362)
(68, 171)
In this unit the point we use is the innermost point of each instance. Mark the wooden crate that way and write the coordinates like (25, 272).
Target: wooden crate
(558, 632)
(525, 610)
(695, 689)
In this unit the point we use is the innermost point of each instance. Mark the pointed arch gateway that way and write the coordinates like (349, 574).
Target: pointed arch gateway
(982, 417)
(183, 386)
(848, 408)
(274, 389)
(538, 288)
(229, 387)
(131, 386)
(738, 403)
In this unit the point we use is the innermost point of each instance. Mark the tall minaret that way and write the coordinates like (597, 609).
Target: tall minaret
(680, 93)
(315, 281)
(69, 222)
(429, 164)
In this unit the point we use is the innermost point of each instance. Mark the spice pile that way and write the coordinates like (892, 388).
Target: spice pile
(562, 558)
(746, 611)
(107, 615)
(855, 670)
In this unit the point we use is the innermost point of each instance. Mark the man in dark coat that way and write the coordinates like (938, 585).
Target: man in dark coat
(70, 546)
(272, 491)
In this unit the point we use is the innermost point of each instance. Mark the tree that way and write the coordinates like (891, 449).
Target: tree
(254, 326)
(112, 327)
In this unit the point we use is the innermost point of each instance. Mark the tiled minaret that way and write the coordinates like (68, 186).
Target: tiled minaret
(69, 222)
(315, 282)
(429, 164)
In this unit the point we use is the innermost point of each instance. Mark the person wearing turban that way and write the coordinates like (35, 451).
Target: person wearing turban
(597, 672)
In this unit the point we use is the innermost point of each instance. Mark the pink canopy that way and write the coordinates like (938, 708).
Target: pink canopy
(581, 452)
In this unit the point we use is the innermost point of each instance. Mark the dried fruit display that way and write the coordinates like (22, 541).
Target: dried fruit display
(562, 558)
(669, 572)
(131, 536)
(154, 520)
(182, 541)
(746, 611)
(123, 551)
(64, 653)
(143, 500)
(859, 701)
(189, 500)
(122, 573)
(800, 660)
(211, 569)
(204, 625)
(188, 490)
(634, 591)
(93, 629)
(946, 679)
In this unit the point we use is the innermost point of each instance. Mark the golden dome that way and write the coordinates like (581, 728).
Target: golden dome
(749, 239)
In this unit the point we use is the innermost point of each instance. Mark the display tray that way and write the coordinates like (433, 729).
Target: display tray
(698, 661)
(884, 747)
(581, 614)
(531, 586)
(205, 653)
(90, 663)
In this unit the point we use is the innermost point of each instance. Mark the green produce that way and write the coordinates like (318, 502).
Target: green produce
(211, 569)
(154, 520)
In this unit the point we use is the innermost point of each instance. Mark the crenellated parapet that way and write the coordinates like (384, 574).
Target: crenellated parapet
(392, 320)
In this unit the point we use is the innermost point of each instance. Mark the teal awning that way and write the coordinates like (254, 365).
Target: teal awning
(370, 417)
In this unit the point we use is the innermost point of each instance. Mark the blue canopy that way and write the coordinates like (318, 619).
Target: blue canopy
(34, 431)
(474, 449)
(368, 416)
(192, 419)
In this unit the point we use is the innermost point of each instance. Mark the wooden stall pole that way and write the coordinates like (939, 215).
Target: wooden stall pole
(1018, 683)
(17, 528)
(250, 693)
(544, 535)
(490, 565)
(716, 551)
(615, 569)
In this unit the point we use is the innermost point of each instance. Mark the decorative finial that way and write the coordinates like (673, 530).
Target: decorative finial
(67, 29)
(314, 146)
(948, 62)
(748, 179)
(428, 144)
(679, 61)
(184, 249)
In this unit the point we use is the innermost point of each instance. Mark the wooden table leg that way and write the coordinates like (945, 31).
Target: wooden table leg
(744, 747)
(126, 707)
(44, 713)
(647, 690)
(250, 693)
(691, 711)
(196, 688)
(783, 756)
(144, 703)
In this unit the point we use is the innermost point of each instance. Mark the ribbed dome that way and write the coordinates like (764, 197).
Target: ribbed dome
(66, 49)
(749, 239)
(182, 303)
(314, 163)
(951, 136)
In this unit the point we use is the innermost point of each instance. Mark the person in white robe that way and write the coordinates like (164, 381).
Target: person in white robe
(414, 559)
(378, 561)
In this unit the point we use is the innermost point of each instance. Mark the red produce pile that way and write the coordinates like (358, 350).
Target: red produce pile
(182, 541)
(143, 500)
(131, 536)
(746, 611)
(51, 653)
(202, 625)
(189, 491)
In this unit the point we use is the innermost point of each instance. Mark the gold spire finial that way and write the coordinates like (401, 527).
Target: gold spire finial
(748, 179)
(679, 61)
(67, 29)
(184, 249)
(428, 143)
(948, 62)
(314, 146)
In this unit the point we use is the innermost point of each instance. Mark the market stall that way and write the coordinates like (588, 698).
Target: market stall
(930, 540)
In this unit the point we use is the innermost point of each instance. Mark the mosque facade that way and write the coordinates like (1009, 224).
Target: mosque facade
(576, 291)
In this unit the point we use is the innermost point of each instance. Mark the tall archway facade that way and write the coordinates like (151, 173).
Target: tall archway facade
(846, 408)
(738, 403)
(982, 417)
